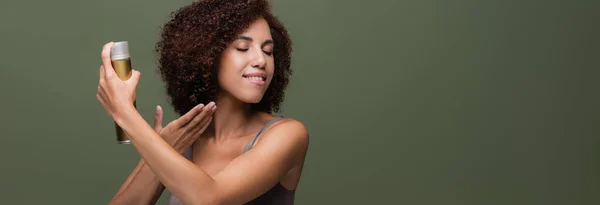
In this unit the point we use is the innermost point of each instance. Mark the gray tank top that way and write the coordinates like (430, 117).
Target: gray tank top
(277, 195)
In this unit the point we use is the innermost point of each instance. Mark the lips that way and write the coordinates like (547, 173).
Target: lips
(255, 77)
(256, 74)
(256, 80)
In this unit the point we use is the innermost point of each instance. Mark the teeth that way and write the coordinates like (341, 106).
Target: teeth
(256, 78)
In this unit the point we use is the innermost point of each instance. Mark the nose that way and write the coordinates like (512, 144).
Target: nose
(258, 60)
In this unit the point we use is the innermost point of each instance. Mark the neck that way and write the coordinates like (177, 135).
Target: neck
(231, 119)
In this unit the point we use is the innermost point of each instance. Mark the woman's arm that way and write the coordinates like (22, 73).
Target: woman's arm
(243, 179)
(146, 188)
(142, 186)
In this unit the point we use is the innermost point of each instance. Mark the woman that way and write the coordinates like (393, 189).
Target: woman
(226, 65)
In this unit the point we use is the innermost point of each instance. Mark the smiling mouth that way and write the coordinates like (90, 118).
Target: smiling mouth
(255, 79)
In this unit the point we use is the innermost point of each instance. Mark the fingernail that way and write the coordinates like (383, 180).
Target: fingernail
(201, 106)
(211, 104)
(214, 108)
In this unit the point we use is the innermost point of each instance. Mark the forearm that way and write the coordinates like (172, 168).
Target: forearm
(184, 179)
(141, 187)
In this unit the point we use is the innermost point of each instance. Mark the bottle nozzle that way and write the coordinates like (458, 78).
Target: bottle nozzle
(120, 50)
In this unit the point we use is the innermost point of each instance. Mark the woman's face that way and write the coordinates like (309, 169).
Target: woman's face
(246, 67)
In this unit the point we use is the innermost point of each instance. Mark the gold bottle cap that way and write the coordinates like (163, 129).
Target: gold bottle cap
(119, 50)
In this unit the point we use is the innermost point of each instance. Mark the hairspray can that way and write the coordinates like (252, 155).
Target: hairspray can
(121, 62)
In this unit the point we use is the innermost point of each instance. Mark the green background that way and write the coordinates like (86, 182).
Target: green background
(407, 102)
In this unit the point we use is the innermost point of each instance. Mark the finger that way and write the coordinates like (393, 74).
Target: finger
(101, 92)
(195, 124)
(201, 126)
(200, 119)
(135, 78)
(102, 97)
(158, 119)
(108, 69)
(201, 129)
(102, 80)
(102, 103)
(102, 72)
(185, 119)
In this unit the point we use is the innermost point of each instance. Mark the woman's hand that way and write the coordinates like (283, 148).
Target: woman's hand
(116, 95)
(184, 131)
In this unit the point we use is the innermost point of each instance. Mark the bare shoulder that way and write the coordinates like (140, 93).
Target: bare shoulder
(287, 131)
(290, 128)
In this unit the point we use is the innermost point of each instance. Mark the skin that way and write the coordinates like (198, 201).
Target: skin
(219, 173)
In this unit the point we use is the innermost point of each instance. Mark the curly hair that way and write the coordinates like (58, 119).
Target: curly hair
(191, 43)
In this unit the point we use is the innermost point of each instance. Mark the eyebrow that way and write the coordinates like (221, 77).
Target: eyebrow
(250, 39)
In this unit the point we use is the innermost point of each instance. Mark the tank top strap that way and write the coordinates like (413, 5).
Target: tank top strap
(251, 142)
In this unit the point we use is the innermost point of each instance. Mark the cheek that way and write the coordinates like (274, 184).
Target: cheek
(230, 66)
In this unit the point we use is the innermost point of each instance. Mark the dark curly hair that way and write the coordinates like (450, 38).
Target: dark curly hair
(191, 43)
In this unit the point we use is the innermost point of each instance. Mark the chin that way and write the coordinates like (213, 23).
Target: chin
(251, 98)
